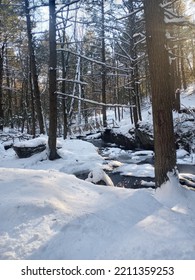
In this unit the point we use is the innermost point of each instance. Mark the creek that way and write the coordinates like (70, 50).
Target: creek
(132, 158)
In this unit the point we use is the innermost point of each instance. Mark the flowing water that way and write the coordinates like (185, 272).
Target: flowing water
(127, 157)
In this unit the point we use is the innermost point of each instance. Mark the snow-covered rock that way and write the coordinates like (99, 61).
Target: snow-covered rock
(97, 175)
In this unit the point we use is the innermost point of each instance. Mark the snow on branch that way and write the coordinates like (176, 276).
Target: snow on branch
(93, 60)
(72, 81)
(165, 5)
(131, 14)
(179, 21)
(95, 102)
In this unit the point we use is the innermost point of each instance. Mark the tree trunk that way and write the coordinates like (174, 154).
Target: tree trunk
(103, 66)
(33, 124)
(1, 90)
(182, 69)
(52, 83)
(133, 70)
(64, 107)
(34, 69)
(9, 91)
(164, 143)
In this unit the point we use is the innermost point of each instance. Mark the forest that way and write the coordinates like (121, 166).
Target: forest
(64, 62)
(97, 113)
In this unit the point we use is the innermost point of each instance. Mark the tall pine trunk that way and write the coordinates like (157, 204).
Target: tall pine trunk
(63, 89)
(1, 89)
(52, 83)
(164, 142)
(34, 69)
(103, 66)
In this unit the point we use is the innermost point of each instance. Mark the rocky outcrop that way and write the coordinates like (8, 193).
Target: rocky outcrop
(185, 135)
(127, 141)
(142, 137)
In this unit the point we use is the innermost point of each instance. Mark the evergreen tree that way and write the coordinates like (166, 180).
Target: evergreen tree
(52, 82)
(33, 67)
(164, 142)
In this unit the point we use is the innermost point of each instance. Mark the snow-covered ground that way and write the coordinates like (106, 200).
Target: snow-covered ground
(48, 213)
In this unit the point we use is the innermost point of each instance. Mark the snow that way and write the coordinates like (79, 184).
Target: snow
(48, 213)
(31, 143)
(97, 174)
(144, 170)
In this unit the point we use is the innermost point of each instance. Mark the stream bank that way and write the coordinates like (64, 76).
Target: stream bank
(136, 160)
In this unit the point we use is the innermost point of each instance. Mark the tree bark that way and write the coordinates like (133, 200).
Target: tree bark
(164, 142)
(182, 69)
(63, 88)
(52, 83)
(9, 91)
(1, 90)
(34, 69)
(103, 66)
(133, 65)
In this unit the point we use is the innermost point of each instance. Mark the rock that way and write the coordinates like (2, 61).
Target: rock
(25, 152)
(25, 149)
(8, 146)
(127, 141)
(144, 136)
(184, 134)
(141, 137)
(98, 176)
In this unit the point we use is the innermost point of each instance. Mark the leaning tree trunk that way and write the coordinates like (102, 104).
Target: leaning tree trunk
(164, 144)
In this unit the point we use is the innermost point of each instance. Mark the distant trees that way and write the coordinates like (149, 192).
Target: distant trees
(134, 36)
(8, 31)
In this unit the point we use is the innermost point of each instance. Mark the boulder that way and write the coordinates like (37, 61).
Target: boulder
(25, 149)
(25, 152)
(127, 141)
(184, 133)
(144, 136)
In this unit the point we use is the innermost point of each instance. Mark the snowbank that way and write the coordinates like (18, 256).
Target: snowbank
(46, 214)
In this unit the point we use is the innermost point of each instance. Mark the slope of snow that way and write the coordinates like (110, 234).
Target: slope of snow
(46, 214)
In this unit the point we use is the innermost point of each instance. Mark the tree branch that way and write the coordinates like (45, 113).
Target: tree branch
(94, 102)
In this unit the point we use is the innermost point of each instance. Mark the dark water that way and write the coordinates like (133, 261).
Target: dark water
(186, 168)
(131, 181)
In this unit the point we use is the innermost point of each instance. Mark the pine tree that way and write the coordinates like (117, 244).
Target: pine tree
(52, 82)
(33, 67)
(164, 142)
